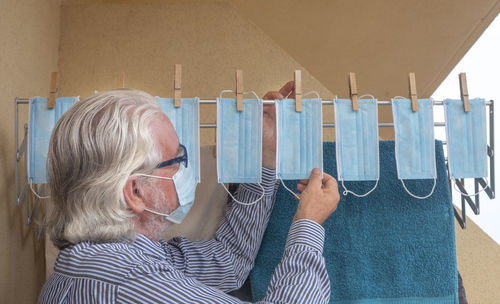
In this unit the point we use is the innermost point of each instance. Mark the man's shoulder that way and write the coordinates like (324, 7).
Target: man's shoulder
(108, 262)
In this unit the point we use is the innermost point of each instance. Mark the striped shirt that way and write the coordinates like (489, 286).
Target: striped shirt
(184, 271)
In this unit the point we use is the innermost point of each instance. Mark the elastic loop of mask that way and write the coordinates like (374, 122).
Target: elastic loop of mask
(36, 194)
(244, 93)
(416, 196)
(399, 97)
(156, 212)
(242, 203)
(288, 189)
(470, 195)
(312, 92)
(155, 176)
(369, 95)
(355, 194)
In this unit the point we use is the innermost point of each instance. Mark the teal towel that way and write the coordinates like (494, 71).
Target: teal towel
(384, 248)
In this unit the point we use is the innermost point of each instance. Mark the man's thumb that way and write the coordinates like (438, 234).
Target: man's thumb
(315, 177)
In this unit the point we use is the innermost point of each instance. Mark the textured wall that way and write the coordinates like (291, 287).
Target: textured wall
(98, 40)
(29, 32)
(209, 38)
(478, 258)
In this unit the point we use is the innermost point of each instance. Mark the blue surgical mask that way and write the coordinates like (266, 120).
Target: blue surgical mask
(186, 121)
(41, 122)
(185, 186)
(414, 141)
(239, 141)
(299, 138)
(357, 142)
(466, 138)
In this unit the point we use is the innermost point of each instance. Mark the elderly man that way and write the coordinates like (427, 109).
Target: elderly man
(119, 176)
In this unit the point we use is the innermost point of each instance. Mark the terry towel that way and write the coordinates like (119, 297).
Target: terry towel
(384, 248)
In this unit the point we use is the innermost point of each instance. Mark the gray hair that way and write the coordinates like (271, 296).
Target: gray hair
(94, 148)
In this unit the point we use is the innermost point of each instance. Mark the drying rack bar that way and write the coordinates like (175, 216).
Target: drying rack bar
(22, 196)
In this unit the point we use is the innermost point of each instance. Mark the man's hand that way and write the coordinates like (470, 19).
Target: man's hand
(269, 124)
(318, 198)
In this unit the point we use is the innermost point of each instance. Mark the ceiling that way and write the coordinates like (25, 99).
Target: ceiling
(380, 40)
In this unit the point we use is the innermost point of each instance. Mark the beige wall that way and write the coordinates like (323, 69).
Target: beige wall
(478, 258)
(98, 40)
(209, 38)
(29, 33)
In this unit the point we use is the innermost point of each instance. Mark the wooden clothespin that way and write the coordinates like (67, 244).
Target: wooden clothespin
(353, 88)
(413, 92)
(464, 92)
(121, 80)
(298, 91)
(177, 85)
(239, 90)
(52, 91)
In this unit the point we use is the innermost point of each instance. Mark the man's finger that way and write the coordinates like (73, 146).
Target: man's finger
(288, 89)
(329, 182)
(301, 187)
(273, 95)
(315, 178)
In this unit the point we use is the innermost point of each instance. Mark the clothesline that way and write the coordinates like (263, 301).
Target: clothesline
(324, 102)
(330, 102)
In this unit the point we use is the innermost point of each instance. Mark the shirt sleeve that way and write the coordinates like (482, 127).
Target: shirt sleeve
(225, 261)
(299, 278)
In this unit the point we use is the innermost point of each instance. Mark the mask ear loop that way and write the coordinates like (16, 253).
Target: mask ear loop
(416, 196)
(242, 203)
(346, 191)
(312, 92)
(470, 195)
(244, 93)
(224, 186)
(36, 194)
(156, 212)
(154, 176)
(288, 189)
(402, 181)
(355, 194)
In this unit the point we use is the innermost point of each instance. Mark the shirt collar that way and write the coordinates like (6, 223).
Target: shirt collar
(149, 246)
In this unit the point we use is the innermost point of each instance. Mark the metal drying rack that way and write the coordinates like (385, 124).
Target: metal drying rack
(32, 210)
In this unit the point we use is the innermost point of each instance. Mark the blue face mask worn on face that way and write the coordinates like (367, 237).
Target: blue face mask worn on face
(414, 141)
(41, 122)
(185, 186)
(186, 121)
(357, 142)
(466, 139)
(239, 142)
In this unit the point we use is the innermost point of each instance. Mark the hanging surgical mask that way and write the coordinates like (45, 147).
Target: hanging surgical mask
(357, 142)
(185, 186)
(239, 142)
(41, 122)
(299, 138)
(186, 121)
(466, 139)
(414, 141)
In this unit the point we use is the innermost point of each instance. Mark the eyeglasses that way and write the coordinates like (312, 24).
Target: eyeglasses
(182, 158)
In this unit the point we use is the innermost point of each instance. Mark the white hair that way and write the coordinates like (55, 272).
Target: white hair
(94, 148)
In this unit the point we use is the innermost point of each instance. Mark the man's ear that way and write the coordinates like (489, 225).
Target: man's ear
(133, 196)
